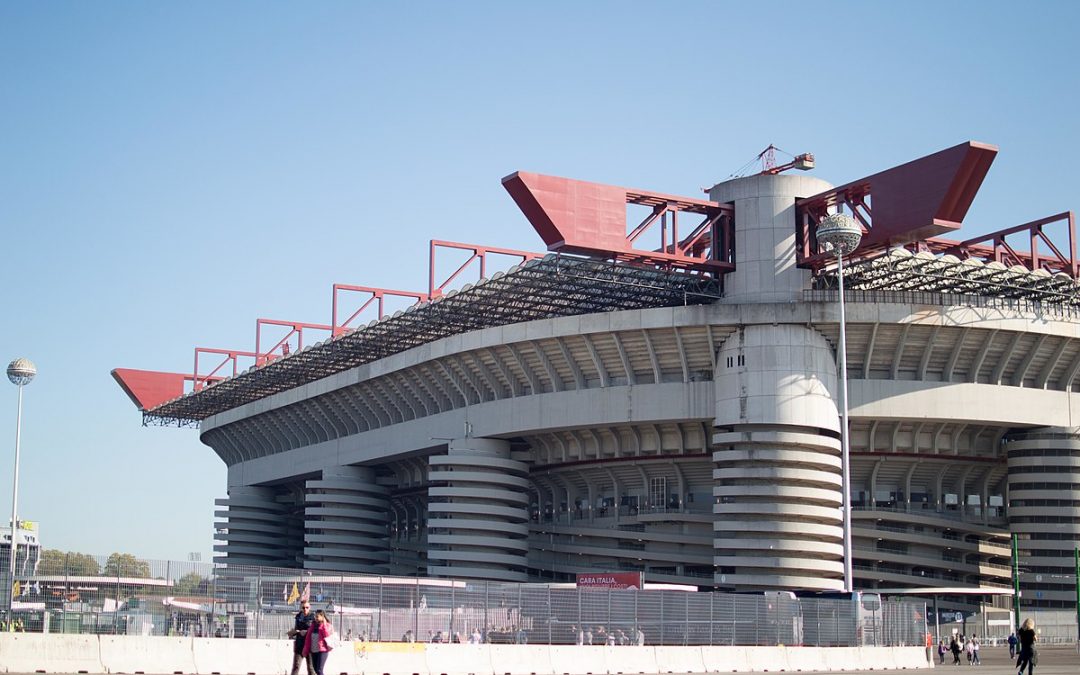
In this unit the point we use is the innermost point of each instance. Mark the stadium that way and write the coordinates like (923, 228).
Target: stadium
(674, 407)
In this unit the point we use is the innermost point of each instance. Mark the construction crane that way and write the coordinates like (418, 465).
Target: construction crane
(803, 162)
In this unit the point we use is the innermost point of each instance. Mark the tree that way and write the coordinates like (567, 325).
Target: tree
(190, 584)
(54, 562)
(126, 565)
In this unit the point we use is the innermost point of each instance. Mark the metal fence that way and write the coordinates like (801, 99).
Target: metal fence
(135, 597)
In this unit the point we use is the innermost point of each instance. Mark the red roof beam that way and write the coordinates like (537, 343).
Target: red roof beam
(231, 355)
(378, 296)
(924, 198)
(590, 219)
(994, 246)
(478, 252)
(148, 389)
(296, 328)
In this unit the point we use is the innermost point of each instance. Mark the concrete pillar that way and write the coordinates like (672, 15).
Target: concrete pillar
(478, 512)
(346, 522)
(777, 484)
(256, 523)
(765, 236)
(1044, 468)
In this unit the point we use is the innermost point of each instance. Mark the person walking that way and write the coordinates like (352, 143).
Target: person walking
(317, 643)
(1028, 658)
(1012, 645)
(975, 651)
(941, 651)
(301, 626)
(954, 647)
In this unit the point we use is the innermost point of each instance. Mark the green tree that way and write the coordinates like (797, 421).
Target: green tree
(55, 562)
(126, 565)
(190, 584)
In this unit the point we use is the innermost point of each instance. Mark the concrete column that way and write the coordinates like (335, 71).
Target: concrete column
(765, 268)
(777, 484)
(478, 512)
(346, 521)
(1044, 468)
(256, 523)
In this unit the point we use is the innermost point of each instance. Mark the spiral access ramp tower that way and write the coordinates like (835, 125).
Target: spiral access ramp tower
(478, 520)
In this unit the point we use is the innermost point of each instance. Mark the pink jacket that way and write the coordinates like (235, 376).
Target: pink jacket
(320, 631)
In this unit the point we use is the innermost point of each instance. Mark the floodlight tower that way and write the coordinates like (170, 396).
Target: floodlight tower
(20, 372)
(840, 235)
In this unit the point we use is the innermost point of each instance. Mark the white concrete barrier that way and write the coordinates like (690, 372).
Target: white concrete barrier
(214, 656)
(630, 660)
(877, 658)
(389, 658)
(578, 660)
(34, 652)
(725, 659)
(767, 659)
(132, 654)
(459, 659)
(805, 659)
(842, 658)
(679, 660)
(911, 658)
(521, 660)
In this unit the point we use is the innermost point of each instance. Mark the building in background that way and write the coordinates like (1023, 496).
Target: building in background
(672, 408)
(27, 548)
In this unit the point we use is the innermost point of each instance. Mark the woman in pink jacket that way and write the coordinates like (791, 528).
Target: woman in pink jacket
(317, 641)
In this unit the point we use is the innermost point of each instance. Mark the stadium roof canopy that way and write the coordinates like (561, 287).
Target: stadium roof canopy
(553, 286)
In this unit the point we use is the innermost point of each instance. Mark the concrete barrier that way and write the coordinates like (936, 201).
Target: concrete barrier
(629, 660)
(578, 660)
(459, 659)
(390, 658)
(131, 654)
(521, 660)
(213, 656)
(877, 658)
(725, 659)
(911, 658)
(679, 660)
(34, 652)
(805, 659)
(842, 658)
(767, 659)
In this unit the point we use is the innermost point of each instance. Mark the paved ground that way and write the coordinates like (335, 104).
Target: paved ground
(1052, 661)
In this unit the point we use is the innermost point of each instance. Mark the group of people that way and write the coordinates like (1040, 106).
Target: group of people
(311, 634)
(1021, 647)
(587, 636)
(969, 646)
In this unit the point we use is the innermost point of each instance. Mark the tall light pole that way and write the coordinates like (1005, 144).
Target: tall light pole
(20, 372)
(840, 234)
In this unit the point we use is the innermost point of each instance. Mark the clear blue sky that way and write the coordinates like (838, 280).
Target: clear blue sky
(171, 171)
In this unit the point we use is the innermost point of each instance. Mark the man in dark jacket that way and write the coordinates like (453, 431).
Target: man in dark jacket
(301, 626)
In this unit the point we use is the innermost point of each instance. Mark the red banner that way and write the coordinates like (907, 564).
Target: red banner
(613, 580)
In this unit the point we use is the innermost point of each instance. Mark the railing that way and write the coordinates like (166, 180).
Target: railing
(123, 595)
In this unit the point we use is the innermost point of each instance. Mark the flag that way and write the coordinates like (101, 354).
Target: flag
(306, 595)
(285, 592)
(294, 596)
(15, 592)
(37, 588)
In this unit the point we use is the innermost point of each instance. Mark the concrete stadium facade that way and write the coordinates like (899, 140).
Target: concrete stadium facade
(698, 444)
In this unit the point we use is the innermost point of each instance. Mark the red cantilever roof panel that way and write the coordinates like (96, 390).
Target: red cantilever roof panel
(149, 388)
(571, 214)
(923, 198)
(931, 195)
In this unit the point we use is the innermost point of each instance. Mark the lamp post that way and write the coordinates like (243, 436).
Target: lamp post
(840, 234)
(20, 372)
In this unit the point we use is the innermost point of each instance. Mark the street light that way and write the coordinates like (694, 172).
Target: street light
(20, 372)
(840, 234)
